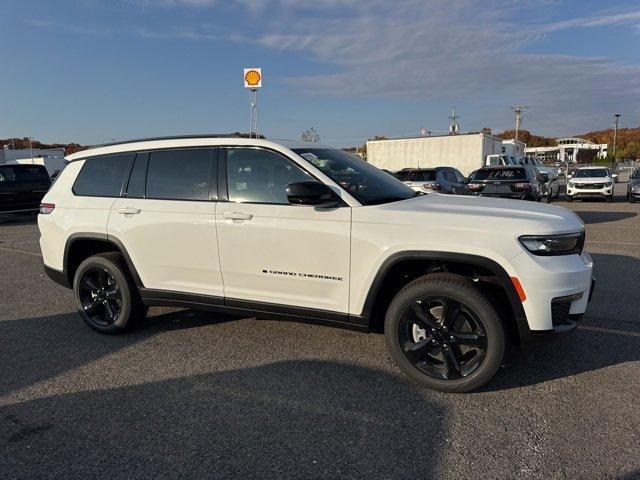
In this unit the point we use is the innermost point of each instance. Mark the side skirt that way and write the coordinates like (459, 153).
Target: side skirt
(263, 310)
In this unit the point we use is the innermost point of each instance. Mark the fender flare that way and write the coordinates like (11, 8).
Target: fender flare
(103, 237)
(502, 279)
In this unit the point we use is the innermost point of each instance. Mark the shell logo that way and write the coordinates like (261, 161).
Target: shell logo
(252, 77)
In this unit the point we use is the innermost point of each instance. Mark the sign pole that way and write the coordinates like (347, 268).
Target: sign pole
(253, 81)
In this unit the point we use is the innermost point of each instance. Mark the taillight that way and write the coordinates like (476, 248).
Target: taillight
(47, 208)
(522, 186)
(432, 186)
(474, 186)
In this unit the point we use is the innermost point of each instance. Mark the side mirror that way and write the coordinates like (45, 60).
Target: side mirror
(311, 192)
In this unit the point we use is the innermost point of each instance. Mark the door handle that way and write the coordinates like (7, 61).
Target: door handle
(237, 216)
(129, 211)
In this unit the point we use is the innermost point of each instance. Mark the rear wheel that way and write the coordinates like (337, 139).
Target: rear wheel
(105, 295)
(444, 334)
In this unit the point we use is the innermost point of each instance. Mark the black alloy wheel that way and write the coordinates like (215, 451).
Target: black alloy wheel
(105, 294)
(442, 338)
(100, 296)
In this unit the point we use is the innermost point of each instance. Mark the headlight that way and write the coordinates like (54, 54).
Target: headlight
(554, 244)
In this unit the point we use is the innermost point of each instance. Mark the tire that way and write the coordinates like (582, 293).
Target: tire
(609, 199)
(548, 198)
(114, 305)
(425, 357)
(631, 199)
(569, 198)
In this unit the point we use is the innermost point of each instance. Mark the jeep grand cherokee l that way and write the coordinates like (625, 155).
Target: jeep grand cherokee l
(307, 232)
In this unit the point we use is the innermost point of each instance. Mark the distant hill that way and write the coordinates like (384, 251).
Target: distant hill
(23, 143)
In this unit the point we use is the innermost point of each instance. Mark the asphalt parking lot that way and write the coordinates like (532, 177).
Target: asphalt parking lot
(200, 395)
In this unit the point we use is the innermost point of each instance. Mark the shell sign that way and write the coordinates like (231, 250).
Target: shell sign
(252, 78)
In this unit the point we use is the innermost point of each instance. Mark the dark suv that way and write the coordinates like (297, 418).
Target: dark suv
(439, 179)
(524, 182)
(22, 187)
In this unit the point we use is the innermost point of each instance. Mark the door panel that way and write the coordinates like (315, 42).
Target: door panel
(171, 243)
(274, 252)
(171, 239)
(285, 254)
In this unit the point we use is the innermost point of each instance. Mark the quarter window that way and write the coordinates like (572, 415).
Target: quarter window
(102, 176)
(260, 176)
(179, 174)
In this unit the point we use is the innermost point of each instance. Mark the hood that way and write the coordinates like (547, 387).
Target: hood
(516, 216)
(575, 179)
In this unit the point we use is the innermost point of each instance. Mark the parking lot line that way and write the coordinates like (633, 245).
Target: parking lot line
(20, 251)
(608, 330)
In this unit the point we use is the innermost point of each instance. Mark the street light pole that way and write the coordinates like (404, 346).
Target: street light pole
(615, 137)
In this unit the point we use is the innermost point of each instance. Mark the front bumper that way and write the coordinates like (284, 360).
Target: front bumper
(558, 289)
(589, 192)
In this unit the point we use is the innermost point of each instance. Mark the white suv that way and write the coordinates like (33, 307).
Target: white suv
(307, 232)
(591, 182)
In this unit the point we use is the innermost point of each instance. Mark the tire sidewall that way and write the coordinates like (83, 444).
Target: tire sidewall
(119, 276)
(473, 299)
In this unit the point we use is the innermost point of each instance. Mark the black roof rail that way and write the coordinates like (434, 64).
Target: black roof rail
(177, 137)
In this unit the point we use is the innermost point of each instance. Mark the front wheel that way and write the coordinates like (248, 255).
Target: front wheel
(443, 333)
(105, 294)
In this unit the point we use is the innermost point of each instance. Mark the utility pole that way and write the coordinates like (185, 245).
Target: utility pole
(615, 137)
(517, 109)
(453, 126)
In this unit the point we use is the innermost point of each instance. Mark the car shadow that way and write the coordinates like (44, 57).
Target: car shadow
(18, 219)
(590, 217)
(36, 349)
(609, 333)
(293, 419)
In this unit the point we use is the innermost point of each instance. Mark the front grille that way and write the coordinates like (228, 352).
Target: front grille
(560, 312)
(589, 186)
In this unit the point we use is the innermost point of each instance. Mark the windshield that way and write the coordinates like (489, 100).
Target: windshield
(500, 174)
(366, 183)
(592, 173)
(416, 175)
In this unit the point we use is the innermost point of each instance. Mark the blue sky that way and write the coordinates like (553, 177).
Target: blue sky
(94, 70)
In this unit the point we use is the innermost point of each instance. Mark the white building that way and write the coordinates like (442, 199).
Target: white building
(570, 149)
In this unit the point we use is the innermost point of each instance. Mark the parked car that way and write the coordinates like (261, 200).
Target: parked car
(633, 186)
(551, 178)
(22, 187)
(440, 179)
(591, 182)
(518, 182)
(301, 231)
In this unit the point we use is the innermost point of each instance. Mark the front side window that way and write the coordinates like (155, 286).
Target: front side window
(179, 174)
(366, 183)
(260, 176)
(103, 176)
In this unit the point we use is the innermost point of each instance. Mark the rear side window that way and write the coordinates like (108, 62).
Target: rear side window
(31, 174)
(179, 174)
(7, 174)
(501, 174)
(450, 176)
(416, 175)
(103, 176)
